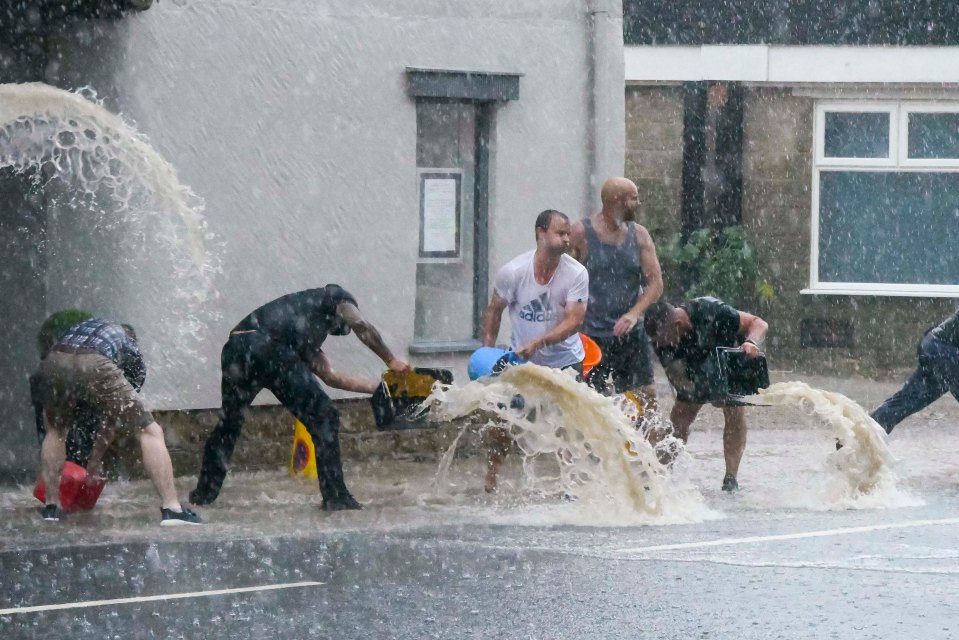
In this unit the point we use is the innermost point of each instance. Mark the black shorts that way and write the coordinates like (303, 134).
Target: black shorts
(702, 397)
(706, 387)
(628, 359)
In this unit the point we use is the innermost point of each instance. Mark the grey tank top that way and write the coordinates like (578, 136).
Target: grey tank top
(615, 280)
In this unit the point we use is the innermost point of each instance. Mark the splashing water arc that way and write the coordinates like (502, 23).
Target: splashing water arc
(602, 458)
(864, 464)
(122, 235)
(93, 149)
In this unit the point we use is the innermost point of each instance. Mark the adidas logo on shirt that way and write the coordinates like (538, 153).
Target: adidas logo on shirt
(538, 310)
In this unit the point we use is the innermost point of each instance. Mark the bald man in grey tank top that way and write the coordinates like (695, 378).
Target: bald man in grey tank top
(625, 279)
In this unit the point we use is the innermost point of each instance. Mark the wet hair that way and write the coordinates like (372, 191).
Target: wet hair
(656, 317)
(335, 294)
(545, 218)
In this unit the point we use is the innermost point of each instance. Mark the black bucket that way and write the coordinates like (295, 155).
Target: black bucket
(739, 375)
(397, 399)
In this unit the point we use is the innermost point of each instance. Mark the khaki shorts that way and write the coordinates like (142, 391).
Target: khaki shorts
(66, 378)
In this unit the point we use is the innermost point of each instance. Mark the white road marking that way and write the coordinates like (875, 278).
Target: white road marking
(170, 596)
(728, 542)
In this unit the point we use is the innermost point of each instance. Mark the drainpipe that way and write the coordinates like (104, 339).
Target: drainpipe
(606, 133)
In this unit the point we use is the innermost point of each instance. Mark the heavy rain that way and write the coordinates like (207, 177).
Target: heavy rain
(479, 319)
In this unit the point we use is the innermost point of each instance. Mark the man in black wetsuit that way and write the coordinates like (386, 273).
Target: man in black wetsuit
(685, 339)
(937, 373)
(279, 347)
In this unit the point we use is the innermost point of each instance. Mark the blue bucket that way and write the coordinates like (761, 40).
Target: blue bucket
(489, 361)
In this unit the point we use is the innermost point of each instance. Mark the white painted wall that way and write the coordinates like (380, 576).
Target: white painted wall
(291, 120)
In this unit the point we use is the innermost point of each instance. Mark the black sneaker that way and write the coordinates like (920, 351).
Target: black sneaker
(729, 483)
(342, 504)
(52, 513)
(171, 518)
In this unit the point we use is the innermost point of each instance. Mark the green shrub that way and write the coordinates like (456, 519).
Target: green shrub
(720, 264)
(56, 325)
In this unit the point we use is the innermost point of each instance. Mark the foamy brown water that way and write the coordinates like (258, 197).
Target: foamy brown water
(790, 467)
(861, 474)
(94, 151)
(631, 480)
(575, 443)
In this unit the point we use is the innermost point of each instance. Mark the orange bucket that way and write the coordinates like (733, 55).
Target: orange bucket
(593, 353)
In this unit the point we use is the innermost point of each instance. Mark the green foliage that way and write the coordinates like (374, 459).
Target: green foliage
(56, 325)
(720, 264)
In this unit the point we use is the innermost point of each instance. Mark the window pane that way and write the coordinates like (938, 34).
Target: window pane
(446, 138)
(934, 135)
(886, 227)
(857, 135)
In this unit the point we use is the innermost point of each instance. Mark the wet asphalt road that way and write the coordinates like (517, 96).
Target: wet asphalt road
(775, 562)
(872, 574)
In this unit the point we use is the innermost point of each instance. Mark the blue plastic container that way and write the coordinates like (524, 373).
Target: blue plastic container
(489, 361)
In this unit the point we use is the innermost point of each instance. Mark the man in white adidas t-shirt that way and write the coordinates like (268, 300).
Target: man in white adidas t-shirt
(546, 292)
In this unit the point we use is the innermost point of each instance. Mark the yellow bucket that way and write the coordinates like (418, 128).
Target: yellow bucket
(413, 384)
(303, 457)
(640, 408)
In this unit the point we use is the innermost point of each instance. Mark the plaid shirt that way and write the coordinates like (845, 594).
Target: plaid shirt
(110, 340)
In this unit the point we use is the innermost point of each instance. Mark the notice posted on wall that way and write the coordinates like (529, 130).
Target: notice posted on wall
(440, 213)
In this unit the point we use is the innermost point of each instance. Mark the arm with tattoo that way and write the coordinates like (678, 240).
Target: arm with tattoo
(369, 336)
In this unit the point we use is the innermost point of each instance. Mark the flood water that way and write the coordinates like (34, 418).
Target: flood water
(444, 559)
(790, 464)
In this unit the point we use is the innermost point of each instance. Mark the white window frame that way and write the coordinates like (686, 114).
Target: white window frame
(905, 110)
(898, 122)
(871, 107)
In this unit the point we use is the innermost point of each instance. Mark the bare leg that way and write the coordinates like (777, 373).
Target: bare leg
(53, 453)
(647, 402)
(497, 441)
(734, 438)
(682, 416)
(159, 467)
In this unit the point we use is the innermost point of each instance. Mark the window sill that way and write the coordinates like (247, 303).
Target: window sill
(900, 291)
(422, 347)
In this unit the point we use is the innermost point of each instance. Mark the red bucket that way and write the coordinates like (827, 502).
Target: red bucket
(75, 493)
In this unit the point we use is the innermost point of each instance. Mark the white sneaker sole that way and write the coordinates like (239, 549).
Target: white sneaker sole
(179, 523)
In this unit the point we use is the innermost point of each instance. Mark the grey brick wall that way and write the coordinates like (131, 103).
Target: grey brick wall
(777, 202)
(654, 153)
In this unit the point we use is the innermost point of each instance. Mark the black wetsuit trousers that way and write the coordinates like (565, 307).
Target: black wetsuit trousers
(937, 374)
(252, 362)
